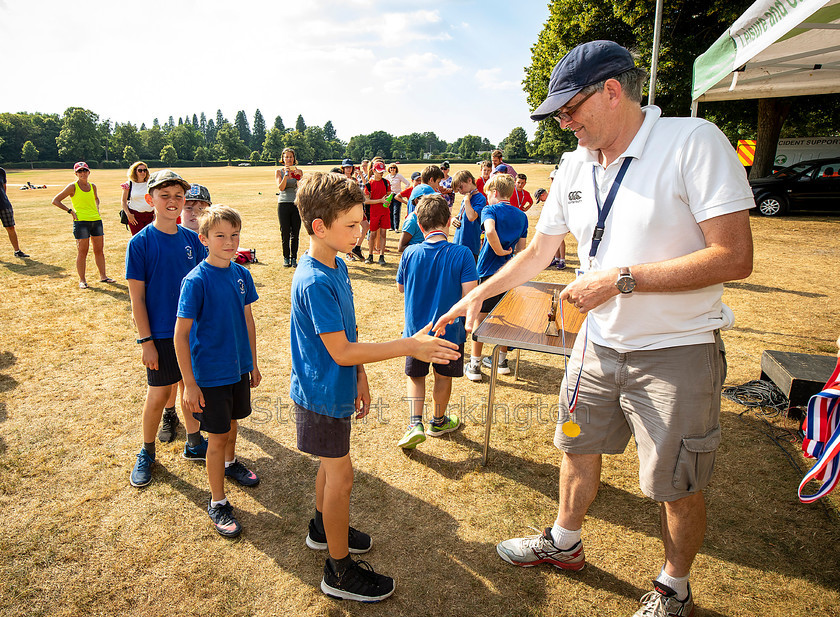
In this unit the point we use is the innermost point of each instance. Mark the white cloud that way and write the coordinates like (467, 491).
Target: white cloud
(490, 79)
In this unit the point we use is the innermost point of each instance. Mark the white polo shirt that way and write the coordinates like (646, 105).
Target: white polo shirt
(683, 172)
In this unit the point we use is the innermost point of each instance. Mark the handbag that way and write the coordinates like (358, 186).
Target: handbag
(123, 215)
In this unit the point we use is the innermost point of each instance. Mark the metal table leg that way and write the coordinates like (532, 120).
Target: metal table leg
(491, 402)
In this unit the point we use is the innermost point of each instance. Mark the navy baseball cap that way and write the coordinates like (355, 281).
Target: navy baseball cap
(347, 163)
(585, 65)
(415, 175)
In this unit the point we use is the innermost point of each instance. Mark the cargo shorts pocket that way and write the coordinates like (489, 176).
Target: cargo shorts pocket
(696, 461)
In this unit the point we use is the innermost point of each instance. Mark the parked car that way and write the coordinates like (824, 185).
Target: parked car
(808, 185)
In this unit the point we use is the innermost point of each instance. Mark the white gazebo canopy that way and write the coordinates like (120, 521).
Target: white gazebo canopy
(776, 48)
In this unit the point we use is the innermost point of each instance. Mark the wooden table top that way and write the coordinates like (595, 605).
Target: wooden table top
(520, 318)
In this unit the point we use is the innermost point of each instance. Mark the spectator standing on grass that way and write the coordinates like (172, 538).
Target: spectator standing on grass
(653, 362)
(433, 275)
(287, 178)
(354, 173)
(133, 200)
(7, 216)
(499, 166)
(324, 344)
(377, 190)
(446, 184)
(156, 261)
(87, 222)
(397, 180)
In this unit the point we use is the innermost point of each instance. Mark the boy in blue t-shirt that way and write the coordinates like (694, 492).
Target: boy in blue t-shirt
(156, 261)
(505, 230)
(434, 275)
(468, 222)
(329, 384)
(430, 179)
(216, 344)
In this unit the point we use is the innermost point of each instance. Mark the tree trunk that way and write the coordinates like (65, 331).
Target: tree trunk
(772, 114)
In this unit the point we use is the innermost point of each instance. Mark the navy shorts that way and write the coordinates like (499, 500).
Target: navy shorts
(223, 404)
(7, 217)
(490, 303)
(322, 435)
(168, 372)
(82, 230)
(418, 368)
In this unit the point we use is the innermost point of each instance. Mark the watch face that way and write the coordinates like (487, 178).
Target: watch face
(625, 283)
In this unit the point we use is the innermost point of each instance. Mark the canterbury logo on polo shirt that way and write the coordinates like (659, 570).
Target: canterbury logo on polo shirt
(241, 286)
(188, 250)
(575, 197)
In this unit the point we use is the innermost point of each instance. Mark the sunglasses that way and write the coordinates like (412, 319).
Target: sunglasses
(142, 171)
(566, 116)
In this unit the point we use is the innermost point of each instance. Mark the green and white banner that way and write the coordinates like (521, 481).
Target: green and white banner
(776, 47)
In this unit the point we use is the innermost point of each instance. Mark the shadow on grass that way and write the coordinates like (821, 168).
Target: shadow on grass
(33, 267)
(7, 384)
(769, 290)
(118, 291)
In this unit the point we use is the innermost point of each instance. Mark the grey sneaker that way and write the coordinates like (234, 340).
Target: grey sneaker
(473, 371)
(503, 369)
(532, 550)
(662, 602)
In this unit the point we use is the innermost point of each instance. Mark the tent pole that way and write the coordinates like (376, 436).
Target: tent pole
(694, 104)
(654, 62)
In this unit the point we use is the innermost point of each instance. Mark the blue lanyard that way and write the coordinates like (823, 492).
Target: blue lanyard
(604, 210)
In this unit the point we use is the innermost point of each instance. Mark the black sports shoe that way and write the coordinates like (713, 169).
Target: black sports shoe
(20, 254)
(223, 519)
(242, 474)
(357, 250)
(168, 425)
(358, 541)
(358, 582)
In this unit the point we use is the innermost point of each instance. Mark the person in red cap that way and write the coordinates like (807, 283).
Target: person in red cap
(87, 222)
(652, 362)
(377, 190)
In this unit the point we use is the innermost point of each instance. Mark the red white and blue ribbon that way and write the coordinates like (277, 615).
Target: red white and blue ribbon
(572, 400)
(822, 438)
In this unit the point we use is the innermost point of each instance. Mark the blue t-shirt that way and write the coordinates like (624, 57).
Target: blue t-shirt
(215, 299)
(511, 225)
(322, 302)
(416, 193)
(410, 225)
(432, 273)
(469, 233)
(162, 261)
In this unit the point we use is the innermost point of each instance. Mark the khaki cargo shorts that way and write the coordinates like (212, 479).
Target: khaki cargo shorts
(667, 399)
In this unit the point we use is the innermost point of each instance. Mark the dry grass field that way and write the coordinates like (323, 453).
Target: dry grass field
(79, 540)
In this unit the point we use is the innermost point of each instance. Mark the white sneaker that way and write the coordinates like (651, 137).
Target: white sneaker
(473, 371)
(503, 369)
(532, 550)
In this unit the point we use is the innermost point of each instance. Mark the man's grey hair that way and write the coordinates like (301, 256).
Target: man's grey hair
(631, 81)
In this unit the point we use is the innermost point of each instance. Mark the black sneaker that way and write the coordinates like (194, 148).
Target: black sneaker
(358, 582)
(369, 259)
(287, 263)
(358, 541)
(242, 474)
(168, 425)
(382, 260)
(223, 519)
(357, 251)
(20, 254)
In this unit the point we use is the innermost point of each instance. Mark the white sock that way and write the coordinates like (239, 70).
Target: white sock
(229, 463)
(475, 359)
(680, 585)
(564, 539)
(221, 502)
(502, 356)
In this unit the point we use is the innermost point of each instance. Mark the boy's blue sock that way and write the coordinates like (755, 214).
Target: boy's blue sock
(415, 420)
(193, 439)
(149, 448)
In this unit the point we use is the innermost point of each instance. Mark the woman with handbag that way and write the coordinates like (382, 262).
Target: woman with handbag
(136, 213)
(287, 179)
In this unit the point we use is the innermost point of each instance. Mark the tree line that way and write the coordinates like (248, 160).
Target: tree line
(79, 134)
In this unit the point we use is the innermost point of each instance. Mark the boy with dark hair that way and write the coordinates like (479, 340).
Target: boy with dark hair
(521, 198)
(505, 230)
(329, 384)
(7, 216)
(157, 259)
(430, 180)
(216, 345)
(434, 275)
(468, 222)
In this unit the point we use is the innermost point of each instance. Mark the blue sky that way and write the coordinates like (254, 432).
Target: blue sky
(452, 67)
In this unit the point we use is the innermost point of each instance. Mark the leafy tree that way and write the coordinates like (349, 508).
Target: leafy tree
(153, 141)
(300, 125)
(195, 123)
(242, 126)
(470, 145)
(516, 144)
(314, 136)
(79, 138)
(129, 155)
(210, 135)
(297, 141)
(329, 131)
(143, 127)
(379, 144)
(278, 124)
(255, 157)
(155, 122)
(202, 125)
(125, 135)
(258, 136)
(356, 148)
(220, 119)
(230, 143)
(273, 144)
(550, 145)
(180, 121)
(168, 155)
(30, 153)
(185, 139)
(170, 123)
(201, 155)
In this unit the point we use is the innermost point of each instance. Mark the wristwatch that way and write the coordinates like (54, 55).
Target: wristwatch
(625, 283)
(140, 341)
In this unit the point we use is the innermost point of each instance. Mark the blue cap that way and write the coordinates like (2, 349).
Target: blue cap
(585, 65)
(415, 175)
(347, 163)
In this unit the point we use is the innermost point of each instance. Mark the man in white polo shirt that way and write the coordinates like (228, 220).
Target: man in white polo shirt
(659, 207)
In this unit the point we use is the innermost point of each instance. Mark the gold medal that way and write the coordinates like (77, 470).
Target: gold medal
(571, 429)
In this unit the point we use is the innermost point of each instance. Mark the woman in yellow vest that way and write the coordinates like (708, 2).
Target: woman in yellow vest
(87, 223)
